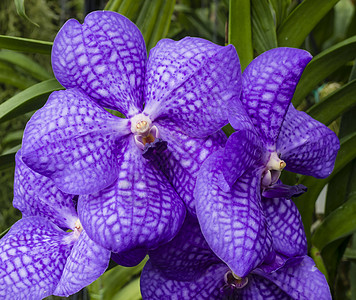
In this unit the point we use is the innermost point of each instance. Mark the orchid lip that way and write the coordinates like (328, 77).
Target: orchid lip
(234, 281)
(273, 170)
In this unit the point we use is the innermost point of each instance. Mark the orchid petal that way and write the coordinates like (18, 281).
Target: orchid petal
(141, 209)
(105, 57)
(74, 142)
(300, 280)
(259, 288)
(243, 150)
(191, 82)
(36, 195)
(232, 222)
(155, 286)
(307, 146)
(129, 258)
(32, 257)
(184, 157)
(187, 256)
(86, 263)
(269, 82)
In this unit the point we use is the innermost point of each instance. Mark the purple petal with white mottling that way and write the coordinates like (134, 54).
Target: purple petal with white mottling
(155, 286)
(307, 146)
(36, 195)
(74, 142)
(232, 222)
(105, 57)
(269, 82)
(286, 227)
(280, 190)
(259, 288)
(191, 82)
(32, 257)
(141, 209)
(129, 258)
(184, 157)
(300, 280)
(242, 151)
(187, 256)
(86, 263)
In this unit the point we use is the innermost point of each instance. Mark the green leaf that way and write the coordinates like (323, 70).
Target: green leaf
(263, 28)
(322, 65)
(281, 10)
(28, 100)
(306, 202)
(340, 223)
(301, 21)
(315, 254)
(26, 63)
(350, 254)
(130, 9)
(20, 7)
(154, 20)
(240, 32)
(130, 291)
(4, 232)
(11, 77)
(334, 105)
(7, 159)
(25, 45)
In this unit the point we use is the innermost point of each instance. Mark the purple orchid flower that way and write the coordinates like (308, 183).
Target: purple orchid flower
(39, 256)
(270, 135)
(175, 100)
(186, 268)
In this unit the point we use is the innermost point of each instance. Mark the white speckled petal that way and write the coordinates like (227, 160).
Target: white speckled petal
(105, 57)
(184, 157)
(269, 82)
(32, 258)
(232, 222)
(286, 227)
(74, 142)
(259, 288)
(141, 209)
(36, 195)
(300, 280)
(187, 256)
(86, 263)
(307, 146)
(191, 82)
(155, 286)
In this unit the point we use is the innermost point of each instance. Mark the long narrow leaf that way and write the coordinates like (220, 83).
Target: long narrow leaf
(28, 100)
(240, 32)
(334, 105)
(301, 21)
(323, 65)
(7, 159)
(25, 45)
(20, 7)
(26, 63)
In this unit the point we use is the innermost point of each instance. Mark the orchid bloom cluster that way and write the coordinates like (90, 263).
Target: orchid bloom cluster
(163, 180)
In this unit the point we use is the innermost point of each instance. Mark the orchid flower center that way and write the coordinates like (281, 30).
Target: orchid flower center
(75, 233)
(143, 130)
(273, 170)
(234, 281)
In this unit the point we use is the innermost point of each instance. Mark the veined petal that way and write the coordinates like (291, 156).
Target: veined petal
(243, 151)
(155, 286)
(184, 157)
(300, 280)
(191, 82)
(259, 288)
(36, 195)
(286, 226)
(187, 256)
(32, 258)
(74, 142)
(307, 146)
(105, 57)
(232, 222)
(141, 209)
(129, 258)
(269, 82)
(86, 263)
